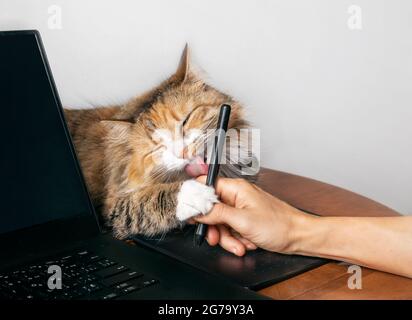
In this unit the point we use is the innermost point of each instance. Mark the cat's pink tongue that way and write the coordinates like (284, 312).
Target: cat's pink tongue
(196, 168)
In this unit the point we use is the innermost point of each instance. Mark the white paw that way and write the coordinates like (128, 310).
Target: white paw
(194, 198)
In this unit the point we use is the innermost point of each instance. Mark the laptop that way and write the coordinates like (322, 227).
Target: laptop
(51, 246)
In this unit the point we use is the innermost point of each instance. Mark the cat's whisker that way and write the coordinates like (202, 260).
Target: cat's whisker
(162, 237)
(164, 175)
(159, 174)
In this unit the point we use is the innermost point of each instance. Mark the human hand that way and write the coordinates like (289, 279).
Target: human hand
(249, 217)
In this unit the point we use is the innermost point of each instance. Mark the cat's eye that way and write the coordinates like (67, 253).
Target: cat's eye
(186, 120)
(189, 115)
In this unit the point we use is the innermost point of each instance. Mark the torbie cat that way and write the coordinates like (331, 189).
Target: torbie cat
(133, 156)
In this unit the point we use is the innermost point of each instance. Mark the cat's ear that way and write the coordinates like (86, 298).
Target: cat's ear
(183, 70)
(117, 129)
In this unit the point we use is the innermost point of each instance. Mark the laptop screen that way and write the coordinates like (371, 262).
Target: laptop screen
(40, 176)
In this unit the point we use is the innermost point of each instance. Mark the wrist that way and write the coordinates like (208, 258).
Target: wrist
(306, 233)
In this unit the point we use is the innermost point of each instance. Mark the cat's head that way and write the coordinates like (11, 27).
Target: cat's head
(168, 127)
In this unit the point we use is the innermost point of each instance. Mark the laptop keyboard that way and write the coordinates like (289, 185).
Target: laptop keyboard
(84, 276)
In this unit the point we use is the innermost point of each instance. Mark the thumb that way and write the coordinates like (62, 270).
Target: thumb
(220, 214)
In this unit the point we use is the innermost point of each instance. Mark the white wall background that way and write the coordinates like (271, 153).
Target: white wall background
(332, 103)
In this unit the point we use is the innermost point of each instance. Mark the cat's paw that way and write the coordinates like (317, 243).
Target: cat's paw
(194, 198)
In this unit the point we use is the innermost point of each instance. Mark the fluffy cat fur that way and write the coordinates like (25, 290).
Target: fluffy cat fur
(117, 148)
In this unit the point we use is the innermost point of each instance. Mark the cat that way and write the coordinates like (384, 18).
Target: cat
(133, 158)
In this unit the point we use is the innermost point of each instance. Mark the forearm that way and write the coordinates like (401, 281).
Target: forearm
(380, 243)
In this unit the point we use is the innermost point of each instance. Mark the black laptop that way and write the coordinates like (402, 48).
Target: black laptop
(51, 246)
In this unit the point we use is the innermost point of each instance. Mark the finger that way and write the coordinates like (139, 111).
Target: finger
(221, 214)
(212, 236)
(190, 221)
(248, 244)
(230, 243)
(228, 189)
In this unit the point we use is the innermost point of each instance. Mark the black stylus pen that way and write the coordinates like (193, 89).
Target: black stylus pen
(213, 170)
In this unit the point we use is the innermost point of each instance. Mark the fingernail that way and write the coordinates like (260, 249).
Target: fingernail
(235, 251)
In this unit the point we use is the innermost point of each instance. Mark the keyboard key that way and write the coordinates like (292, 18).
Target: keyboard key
(92, 287)
(105, 263)
(92, 267)
(108, 272)
(123, 285)
(110, 296)
(95, 258)
(131, 289)
(150, 282)
(83, 253)
(136, 284)
(123, 277)
(66, 258)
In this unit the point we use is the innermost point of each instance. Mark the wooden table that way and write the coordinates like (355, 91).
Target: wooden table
(330, 280)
